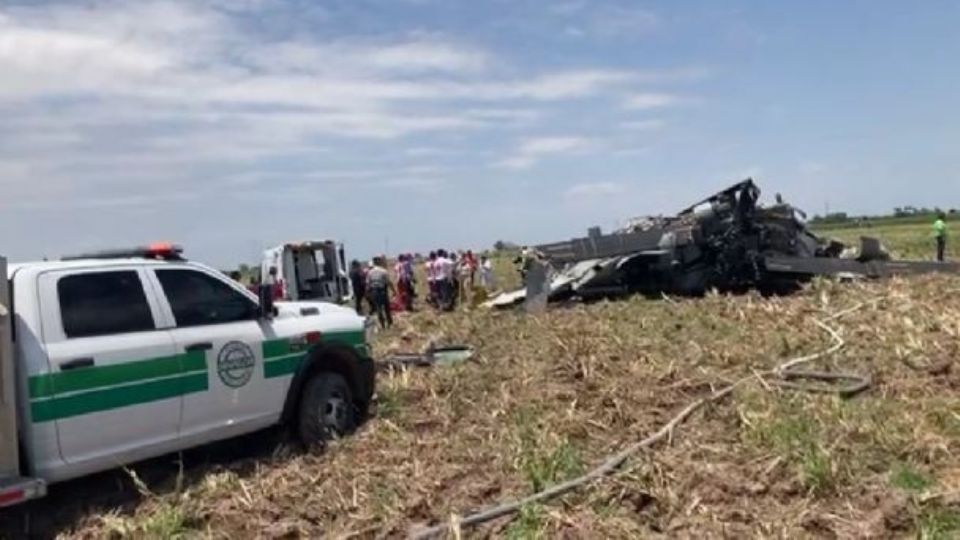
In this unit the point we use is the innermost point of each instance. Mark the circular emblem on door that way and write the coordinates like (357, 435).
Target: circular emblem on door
(235, 364)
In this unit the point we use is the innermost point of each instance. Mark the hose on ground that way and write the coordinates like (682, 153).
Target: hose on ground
(854, 383)
(783, 376)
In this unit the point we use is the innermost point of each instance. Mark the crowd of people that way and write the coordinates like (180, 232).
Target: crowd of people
(451, 278)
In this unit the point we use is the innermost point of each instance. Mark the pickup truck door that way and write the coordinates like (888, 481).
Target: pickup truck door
(211, 315)
(115, 381)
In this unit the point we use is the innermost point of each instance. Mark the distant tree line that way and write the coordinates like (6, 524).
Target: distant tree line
(900, 212)
(908, 211)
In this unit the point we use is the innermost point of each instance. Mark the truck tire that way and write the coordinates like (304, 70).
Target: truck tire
(327, 409)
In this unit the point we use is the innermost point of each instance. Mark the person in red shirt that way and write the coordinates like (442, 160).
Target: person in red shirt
(471, 263)
(404, 275)
(276, 284)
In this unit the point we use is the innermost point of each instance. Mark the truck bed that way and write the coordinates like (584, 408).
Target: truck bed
(13, 487)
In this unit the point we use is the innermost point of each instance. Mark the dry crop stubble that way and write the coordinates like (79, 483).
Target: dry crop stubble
(552, 396)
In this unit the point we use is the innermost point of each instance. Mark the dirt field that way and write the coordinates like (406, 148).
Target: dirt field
(548, 398)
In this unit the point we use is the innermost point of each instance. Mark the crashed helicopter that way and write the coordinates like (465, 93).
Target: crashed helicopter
(727, 242)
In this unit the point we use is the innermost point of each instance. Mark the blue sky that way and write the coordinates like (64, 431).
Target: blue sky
(229, 126)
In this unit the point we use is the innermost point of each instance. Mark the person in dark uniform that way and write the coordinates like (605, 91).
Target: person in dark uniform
(379, 288)
(358, 281)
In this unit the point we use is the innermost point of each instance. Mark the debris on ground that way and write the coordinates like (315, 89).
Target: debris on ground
(433, 356)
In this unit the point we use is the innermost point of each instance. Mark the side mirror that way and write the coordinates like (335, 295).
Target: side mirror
(265, 293)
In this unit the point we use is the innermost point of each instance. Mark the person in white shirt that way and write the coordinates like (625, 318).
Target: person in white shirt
(464, 274)
(443, 272)
(487, 279)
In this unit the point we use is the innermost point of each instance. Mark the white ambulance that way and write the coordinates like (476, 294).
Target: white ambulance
(116, 357)
(310, 270)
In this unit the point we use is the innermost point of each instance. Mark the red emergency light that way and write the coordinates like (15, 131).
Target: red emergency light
(156, 250)
(164, 250)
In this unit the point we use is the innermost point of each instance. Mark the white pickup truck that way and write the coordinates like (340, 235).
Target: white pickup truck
(116, 357)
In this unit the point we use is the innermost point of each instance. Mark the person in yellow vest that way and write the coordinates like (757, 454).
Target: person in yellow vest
(940, 233)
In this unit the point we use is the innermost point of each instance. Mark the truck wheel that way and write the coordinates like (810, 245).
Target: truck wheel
(326, 409)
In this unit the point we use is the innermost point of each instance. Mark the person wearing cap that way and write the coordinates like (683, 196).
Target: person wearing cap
(379, 288)
(940, 233)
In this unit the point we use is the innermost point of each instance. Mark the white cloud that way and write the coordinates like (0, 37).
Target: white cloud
(551, 145)
(422, 169)
(632, 151)
(623, 21)
(428, 56)
(516, 162)
(607, 21)
(412, 56)
(112, 103)
(426, 151)
(414, 183)
(533, 150)
(650, 101)
(504, 116)
(201, 70)
(643, 125)
(420, 177)
(593, 190)
(560, 85)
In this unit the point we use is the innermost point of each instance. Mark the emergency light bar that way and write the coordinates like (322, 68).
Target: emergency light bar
(160, 251)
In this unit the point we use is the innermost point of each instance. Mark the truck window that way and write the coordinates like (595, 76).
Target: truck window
(198, 299)
(103, 303)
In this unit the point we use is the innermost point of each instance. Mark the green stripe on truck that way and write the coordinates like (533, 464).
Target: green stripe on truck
(118, 396)
(352, 338)
(276, 347)
(285, 365)
(42, 386)
(280, 359)
(273, 348)
(94, 389)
